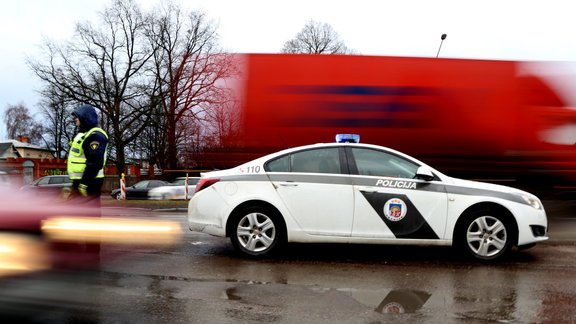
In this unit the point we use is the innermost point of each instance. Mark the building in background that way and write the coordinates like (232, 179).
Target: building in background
(24, 162)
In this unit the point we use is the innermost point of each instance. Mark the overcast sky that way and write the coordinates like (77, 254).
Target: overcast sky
(542, 30)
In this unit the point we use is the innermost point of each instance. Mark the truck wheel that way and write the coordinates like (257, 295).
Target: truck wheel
(257, 231)
(486, 235)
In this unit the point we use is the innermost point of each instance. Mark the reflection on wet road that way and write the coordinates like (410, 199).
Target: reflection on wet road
(203, 280)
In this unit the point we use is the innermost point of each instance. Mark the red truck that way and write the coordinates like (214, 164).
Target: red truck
(478, 119)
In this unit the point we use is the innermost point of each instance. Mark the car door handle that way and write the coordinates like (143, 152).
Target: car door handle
(288, 184)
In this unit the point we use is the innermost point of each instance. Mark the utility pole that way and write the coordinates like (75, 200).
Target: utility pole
(442, 38)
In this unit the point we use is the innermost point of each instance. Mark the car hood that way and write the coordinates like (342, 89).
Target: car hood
(487, 186)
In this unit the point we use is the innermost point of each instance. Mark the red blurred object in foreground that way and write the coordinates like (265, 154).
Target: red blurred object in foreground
(22, 213)
(39, 232)
(50, 255)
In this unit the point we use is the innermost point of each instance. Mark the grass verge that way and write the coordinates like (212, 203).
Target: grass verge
(150, 204)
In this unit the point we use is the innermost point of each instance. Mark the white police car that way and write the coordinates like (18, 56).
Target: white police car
(360, 193)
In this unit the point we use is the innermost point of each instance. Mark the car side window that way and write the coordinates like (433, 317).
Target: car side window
(383, 164)
(141, 185)
(44, 181)
(154, 184)
(324, 160)
(281, 164)
(56, 180)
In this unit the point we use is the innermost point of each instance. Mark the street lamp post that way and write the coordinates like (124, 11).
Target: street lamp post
(442, 38)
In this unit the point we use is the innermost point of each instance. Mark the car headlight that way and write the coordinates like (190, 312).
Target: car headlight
(21, 254)
(532, 201)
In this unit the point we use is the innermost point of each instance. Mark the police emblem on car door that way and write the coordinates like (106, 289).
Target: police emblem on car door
(389, 200)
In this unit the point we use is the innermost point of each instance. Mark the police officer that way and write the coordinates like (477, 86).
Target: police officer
(87, 156)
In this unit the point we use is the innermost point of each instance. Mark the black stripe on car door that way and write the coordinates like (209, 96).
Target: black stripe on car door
(400, 215)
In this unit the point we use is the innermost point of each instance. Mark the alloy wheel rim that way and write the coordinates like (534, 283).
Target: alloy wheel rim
(486, 236)
(256, 232)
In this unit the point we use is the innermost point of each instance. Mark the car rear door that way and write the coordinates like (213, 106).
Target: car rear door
(389, 202)
(314, 190)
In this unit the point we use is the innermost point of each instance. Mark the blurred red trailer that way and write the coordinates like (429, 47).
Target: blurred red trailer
(479, 119)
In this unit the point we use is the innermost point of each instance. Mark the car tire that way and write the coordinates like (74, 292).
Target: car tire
(117, 196)
(257, 231)
(486, 235)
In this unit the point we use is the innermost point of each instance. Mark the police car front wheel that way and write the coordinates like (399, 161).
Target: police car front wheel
(486, 235)
(257, 231)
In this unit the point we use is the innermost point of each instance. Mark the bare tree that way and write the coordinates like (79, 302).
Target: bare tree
(58, 124)
(223, 122)
(19, 122)
(218, 129)
(316, 38)
(187, 67)
(151, 143)
(103, 67)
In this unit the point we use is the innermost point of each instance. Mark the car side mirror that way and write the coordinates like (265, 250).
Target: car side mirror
(424, 173)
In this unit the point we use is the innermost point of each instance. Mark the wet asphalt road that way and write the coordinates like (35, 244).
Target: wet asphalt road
(203, 280)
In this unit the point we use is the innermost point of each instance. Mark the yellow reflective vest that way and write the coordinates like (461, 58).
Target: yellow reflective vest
(77, 160)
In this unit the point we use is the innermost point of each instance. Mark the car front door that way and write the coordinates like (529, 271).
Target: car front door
(389, 202)
(314, 190)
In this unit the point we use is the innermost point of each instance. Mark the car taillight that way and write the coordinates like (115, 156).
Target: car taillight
(205, 183)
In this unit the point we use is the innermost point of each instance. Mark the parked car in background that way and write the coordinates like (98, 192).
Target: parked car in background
(56, 185)
(140, 189)
(176, 190)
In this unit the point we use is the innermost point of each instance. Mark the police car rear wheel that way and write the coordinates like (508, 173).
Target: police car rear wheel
(257, 231)
(486, 235)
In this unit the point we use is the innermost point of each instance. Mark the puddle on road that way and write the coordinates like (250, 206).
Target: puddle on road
(449, 301)
(389, 301)
(398, 301)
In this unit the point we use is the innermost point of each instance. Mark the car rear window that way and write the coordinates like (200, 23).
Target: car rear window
(57, 180)
(323, 160)
(281, 164)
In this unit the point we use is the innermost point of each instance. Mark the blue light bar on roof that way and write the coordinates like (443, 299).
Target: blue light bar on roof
(347, 138)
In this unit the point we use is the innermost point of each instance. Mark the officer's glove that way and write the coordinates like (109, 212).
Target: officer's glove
(83, 189)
